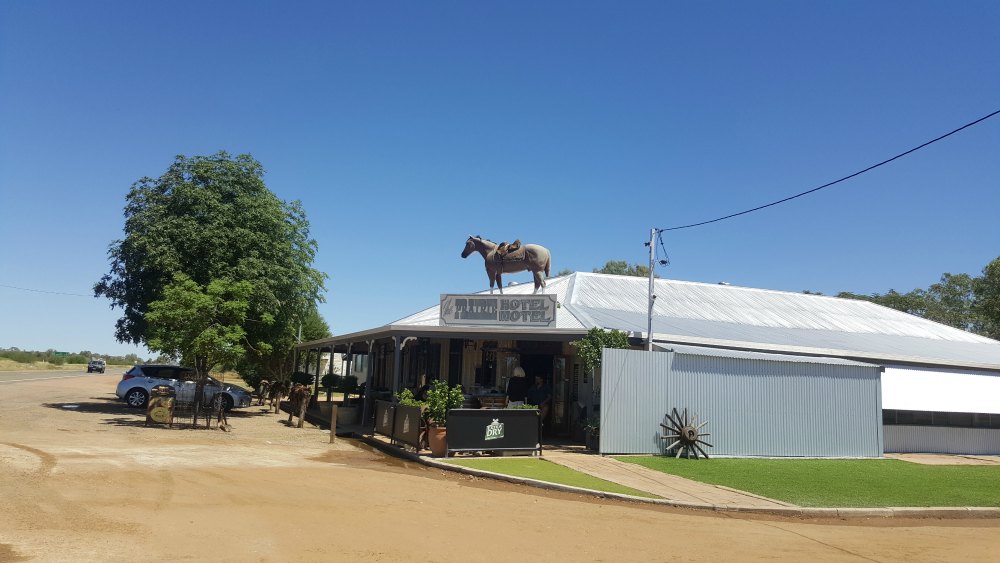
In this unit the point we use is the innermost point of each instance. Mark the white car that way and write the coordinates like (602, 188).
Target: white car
(136, 383)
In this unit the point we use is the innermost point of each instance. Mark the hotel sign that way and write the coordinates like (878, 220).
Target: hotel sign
(499, 310)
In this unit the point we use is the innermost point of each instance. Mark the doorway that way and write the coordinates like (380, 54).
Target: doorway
(552, 369)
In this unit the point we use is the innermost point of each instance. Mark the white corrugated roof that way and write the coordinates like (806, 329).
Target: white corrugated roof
(755, 319)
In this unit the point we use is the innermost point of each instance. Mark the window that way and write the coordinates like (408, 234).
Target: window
(941, 418)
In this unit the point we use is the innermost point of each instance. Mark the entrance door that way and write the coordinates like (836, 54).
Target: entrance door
(559, 419)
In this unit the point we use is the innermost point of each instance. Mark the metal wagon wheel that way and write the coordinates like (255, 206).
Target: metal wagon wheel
(685, 434)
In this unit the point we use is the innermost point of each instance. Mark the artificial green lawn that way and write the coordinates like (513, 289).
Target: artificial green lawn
(541, 470)
(842, 483)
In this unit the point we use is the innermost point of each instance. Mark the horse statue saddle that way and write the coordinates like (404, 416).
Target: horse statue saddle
(509, 252)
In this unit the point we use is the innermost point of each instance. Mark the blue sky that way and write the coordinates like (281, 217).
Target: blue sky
(404, 127)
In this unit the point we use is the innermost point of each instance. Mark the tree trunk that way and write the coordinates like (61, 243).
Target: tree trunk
(201, 370)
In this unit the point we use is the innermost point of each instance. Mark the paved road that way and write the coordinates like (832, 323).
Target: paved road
(37, 375)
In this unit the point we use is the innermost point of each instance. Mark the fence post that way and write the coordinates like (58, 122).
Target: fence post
(333, 422)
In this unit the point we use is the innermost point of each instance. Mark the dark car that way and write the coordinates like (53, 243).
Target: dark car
(137, 383)
(96, 365)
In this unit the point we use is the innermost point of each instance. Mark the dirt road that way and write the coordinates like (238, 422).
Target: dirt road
(81, 479)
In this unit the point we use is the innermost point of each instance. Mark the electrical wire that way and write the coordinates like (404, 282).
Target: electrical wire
(827, 185)
(44, 291)
(666, 257)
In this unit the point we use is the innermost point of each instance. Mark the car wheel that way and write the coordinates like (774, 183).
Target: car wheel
(227, 402)
(136, 398)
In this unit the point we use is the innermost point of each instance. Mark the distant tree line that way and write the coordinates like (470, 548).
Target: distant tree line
(959, 300)
(971, 303)
(81, 357)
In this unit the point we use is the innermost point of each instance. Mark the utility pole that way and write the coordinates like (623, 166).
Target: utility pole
(652, 296)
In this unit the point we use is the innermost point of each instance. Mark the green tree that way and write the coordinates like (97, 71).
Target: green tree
(952, 301)
(987, 304)
(623, 268)
(213, 218)
(914, 302)
(203, 325)
(588, 348)
(277, 362)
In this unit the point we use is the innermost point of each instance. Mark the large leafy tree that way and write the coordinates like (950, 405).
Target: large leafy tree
(987, 304)
(212, 218)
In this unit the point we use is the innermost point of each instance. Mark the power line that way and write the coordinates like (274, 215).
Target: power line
(44, 291)
(858, 173)
(666, 257)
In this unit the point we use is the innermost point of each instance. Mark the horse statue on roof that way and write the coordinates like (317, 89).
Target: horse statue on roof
(510, 258)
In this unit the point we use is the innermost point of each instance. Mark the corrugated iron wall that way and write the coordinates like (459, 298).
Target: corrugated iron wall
(754, 407)
(939, 439)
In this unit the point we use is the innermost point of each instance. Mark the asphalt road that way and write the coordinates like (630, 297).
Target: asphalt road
(21, 376)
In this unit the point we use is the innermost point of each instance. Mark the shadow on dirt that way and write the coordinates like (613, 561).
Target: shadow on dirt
(121, 415)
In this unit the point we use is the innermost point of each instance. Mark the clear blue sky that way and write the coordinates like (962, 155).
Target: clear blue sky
(403, 127)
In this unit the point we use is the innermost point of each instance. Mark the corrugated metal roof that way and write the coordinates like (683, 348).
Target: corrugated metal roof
(745, 355)
(755, 319)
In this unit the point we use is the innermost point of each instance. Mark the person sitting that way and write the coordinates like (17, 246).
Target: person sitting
(540, 396)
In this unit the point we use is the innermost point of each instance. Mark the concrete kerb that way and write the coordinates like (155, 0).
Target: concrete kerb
(952, 512)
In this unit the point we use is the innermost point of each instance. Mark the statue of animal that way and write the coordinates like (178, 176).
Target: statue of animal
(298, 399)
(275, 393)
(510, 259)
(262, 391)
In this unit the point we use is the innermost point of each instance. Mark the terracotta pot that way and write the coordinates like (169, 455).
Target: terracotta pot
(437, 438)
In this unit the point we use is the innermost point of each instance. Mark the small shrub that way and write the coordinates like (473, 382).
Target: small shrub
(330, 381)
(302, 377)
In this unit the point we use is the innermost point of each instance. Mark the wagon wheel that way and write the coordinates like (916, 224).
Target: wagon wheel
(686, 434)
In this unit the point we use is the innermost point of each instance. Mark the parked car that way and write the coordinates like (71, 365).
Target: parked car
(96, 365)
(136, 383)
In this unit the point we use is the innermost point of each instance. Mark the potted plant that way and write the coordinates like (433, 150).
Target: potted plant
(441, 398)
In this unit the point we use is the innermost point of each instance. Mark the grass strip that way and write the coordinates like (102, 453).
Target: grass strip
(542, 470)
(870, 483)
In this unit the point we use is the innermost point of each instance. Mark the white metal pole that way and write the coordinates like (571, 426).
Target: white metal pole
(652, 296)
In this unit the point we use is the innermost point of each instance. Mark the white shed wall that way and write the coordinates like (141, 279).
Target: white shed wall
(939, 439)
(946, 390)
(754, 406)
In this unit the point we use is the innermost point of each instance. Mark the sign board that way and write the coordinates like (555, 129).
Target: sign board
(385, 417)
(498, 310)
(494, 430)
(406, 428)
